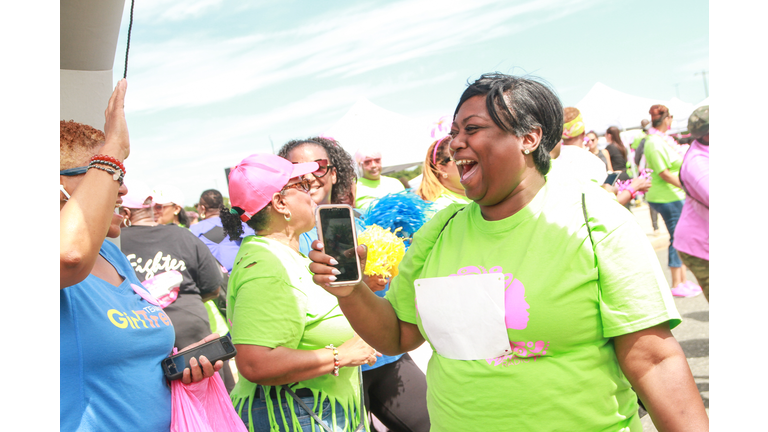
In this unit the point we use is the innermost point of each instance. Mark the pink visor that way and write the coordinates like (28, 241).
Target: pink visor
(137, 195)
(254, 181)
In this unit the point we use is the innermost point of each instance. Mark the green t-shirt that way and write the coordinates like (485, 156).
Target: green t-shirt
(563, 373)
(370, 190)
(636, 142)
(660, 156)
(444, 200)
(272, 301)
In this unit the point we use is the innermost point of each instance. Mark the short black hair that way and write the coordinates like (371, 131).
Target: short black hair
(212, 199)
(337, 156)
(518, 105)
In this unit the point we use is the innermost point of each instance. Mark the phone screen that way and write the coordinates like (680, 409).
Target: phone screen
(218, 349)
(611, 179)
(339, 241)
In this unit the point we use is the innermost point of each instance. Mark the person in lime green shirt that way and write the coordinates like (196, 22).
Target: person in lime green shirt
(294, 346)
(441, 183)
(372, 185)
(666, 196)
(537, 319)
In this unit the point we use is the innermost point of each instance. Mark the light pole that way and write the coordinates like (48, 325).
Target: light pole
(704, 76)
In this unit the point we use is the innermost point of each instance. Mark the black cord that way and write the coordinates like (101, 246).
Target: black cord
(128, 47)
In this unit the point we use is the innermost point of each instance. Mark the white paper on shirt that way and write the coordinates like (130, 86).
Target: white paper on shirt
(463, 316)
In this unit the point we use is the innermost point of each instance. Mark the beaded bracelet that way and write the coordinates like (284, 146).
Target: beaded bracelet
(105, 163)
(117, 168)
(107, 158)
(336, 360)
(116, 175)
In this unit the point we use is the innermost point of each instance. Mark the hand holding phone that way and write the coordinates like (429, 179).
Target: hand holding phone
(220, 348)
(611, 178)
(336, 231)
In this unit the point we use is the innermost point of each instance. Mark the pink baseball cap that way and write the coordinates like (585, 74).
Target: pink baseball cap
(254, 181)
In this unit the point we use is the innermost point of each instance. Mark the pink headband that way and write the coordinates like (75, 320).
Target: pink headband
(434, 153)
(440, 130)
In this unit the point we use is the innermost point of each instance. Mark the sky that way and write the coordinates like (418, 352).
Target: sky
(213, 81)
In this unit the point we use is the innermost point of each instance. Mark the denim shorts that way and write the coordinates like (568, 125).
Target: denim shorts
(260, 415)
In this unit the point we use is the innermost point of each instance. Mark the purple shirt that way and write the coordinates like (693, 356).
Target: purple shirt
(225, 251)
(692, 231)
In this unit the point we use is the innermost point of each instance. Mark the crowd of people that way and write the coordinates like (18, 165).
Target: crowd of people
(542, 302)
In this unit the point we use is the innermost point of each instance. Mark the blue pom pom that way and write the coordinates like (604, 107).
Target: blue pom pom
(404, 210)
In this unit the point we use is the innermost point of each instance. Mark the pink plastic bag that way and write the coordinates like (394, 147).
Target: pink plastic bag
(164, 287)
(203, 406)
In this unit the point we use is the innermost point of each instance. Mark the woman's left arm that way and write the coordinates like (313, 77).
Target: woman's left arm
(670, 178)
(655, 365)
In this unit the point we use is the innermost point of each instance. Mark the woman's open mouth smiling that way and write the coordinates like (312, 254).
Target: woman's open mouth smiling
(466, 168)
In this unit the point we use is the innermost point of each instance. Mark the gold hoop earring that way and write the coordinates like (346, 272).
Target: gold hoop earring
(288, 218)
(126, 221)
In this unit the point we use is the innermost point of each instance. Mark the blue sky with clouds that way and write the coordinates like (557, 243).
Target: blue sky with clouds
(212, 81)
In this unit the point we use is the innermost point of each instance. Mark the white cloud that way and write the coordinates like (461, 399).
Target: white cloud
(199, 68)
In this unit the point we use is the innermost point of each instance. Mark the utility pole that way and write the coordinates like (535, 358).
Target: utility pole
(706, 89)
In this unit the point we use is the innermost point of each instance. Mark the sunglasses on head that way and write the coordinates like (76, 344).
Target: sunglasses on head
(304, 185)
(71, 172)
(74, 171)
(322, 168)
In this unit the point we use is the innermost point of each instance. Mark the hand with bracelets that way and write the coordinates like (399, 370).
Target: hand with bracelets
(355, 352)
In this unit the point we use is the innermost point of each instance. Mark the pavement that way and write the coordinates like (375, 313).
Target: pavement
(692, 333)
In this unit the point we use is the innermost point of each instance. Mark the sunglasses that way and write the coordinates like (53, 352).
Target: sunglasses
(159, 207)
(304, 185)
(322, 168)
(74, 171)
(71, 172)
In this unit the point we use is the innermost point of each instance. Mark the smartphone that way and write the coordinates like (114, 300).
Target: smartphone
(611, 179)
(215, 350)
(336, 230)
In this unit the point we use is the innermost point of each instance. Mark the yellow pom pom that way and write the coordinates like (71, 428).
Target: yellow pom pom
(385, 251)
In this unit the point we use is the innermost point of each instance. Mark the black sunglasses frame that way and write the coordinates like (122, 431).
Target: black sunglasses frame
(304, 185)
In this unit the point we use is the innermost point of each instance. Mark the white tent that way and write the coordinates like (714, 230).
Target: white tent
(604, 107)
(401, 139)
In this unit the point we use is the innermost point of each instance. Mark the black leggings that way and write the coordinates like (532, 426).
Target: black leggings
(396, 394)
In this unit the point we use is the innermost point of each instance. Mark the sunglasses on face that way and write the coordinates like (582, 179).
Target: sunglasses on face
(322, 168)
(303, 185)
(160, 207)
(71, 172)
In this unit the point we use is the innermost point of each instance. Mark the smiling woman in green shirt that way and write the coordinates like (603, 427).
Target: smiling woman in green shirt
(553, 320)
